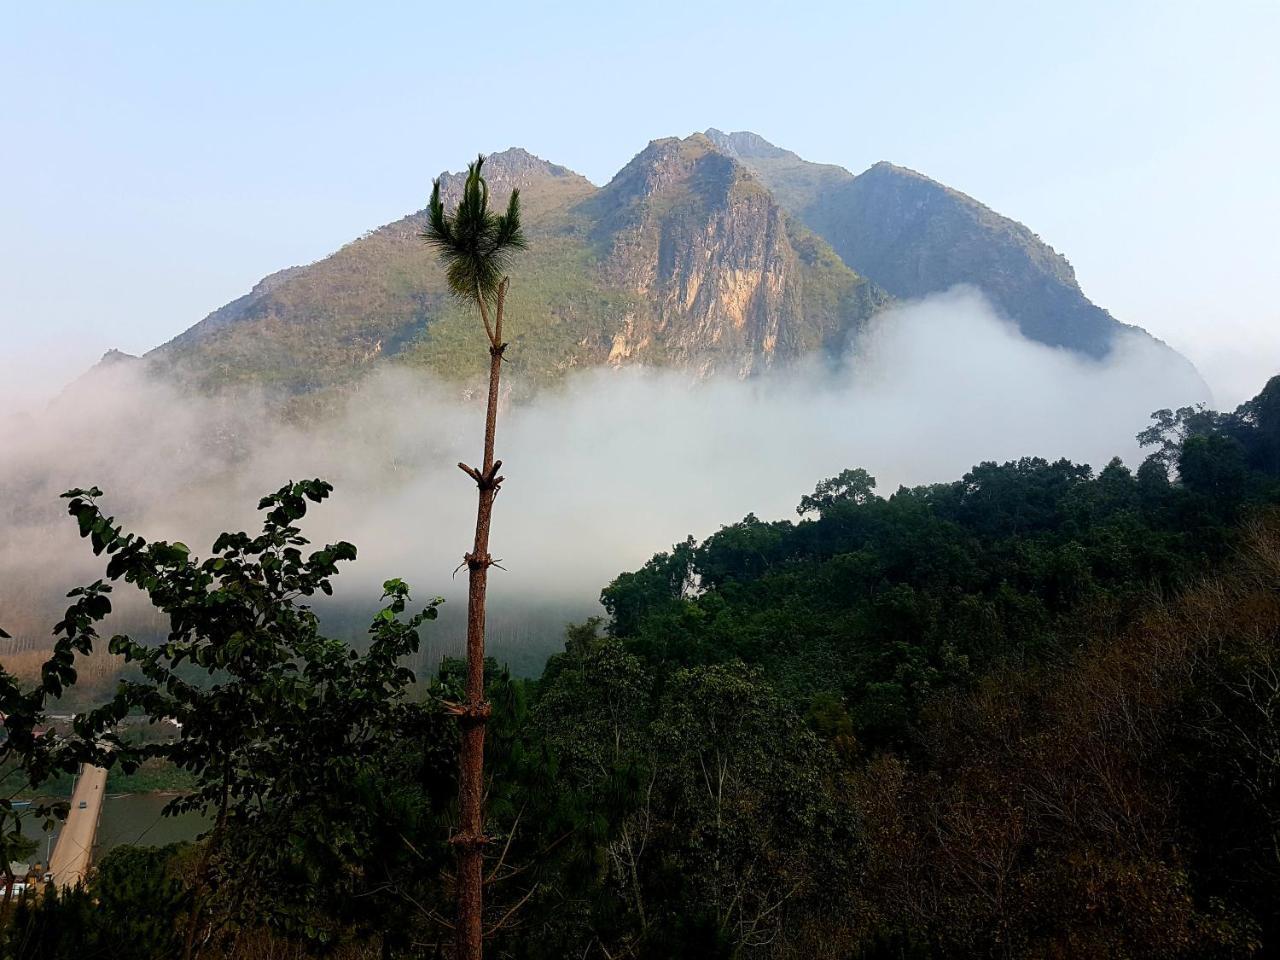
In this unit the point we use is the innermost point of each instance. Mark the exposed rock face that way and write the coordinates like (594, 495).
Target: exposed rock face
(918, 236)
(116, 358)
(715, 253)
(713, 258)
(913, 236)
(510, 169)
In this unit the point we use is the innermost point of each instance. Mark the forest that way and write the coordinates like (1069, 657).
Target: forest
(1034, 712)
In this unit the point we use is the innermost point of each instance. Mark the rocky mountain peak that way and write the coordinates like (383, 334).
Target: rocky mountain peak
(659, 165)
(514, 167)
(717, 251)
(726, 281)
(114, 357)
(745, 145)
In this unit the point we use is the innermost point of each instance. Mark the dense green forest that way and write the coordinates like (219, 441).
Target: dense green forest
(1031, 713)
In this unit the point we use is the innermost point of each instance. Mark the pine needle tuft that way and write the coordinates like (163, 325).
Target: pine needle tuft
(475, 245)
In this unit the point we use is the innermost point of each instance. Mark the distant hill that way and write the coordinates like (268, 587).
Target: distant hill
(715, 253)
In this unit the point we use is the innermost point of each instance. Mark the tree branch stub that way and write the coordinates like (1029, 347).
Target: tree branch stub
(469, 840)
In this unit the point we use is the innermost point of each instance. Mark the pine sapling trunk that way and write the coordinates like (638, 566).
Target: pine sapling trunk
(475, 246)
(474, 713)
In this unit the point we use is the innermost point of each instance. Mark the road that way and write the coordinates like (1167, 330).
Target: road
(73, 853)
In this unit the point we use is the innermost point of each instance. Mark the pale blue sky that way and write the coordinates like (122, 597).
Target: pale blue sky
(159, 158)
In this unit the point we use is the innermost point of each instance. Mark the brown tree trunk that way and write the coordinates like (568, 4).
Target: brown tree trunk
(474, 713)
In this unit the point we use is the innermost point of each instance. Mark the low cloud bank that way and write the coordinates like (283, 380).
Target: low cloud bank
(601, 472)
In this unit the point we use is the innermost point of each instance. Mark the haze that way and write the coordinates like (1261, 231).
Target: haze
(601, 473)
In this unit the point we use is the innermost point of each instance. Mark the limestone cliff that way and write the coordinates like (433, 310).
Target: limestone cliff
(724, 279)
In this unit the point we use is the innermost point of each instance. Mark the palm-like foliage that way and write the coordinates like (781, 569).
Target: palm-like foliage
(475, 245)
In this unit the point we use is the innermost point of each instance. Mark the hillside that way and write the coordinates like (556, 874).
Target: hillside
(722, 277)
(913, 236)
(715, 253)
(313, 326)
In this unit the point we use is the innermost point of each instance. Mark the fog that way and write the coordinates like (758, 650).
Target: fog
(601, 471)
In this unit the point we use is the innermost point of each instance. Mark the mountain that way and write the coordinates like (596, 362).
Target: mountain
(714, 253)
(721, 277)
(382, 296)
(913, 236)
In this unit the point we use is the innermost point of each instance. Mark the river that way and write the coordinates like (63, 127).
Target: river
(129, 818)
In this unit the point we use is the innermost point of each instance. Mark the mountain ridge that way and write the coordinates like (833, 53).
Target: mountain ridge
(715, 253)
(913, 235)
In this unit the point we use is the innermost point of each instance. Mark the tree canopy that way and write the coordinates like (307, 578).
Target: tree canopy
(1029, 713)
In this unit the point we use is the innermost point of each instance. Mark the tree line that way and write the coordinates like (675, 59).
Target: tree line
(1031, 713)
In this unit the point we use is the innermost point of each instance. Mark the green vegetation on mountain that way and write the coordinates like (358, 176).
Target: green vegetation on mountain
(688, 263)
(326, 324)
(718, 252)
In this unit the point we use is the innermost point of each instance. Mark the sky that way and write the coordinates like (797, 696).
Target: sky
(157, 159)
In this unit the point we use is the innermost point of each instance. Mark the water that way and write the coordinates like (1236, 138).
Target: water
(128, 818)
(134, 818)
